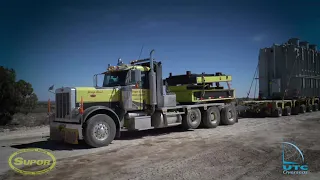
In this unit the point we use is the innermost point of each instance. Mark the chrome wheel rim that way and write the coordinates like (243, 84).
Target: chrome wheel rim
(230, 115)
(213, 117)
(193, 117)
(101, 132)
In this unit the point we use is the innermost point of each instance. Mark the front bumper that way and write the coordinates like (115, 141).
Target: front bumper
(63, 131)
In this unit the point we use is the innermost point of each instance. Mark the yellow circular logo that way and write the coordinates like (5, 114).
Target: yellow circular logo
(45, 161)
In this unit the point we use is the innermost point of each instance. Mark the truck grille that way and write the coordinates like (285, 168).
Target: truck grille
(62, 104)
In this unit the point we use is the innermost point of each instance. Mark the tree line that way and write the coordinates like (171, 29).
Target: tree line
(14, 95)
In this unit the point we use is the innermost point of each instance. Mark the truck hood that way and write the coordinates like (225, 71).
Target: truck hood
(92, 94)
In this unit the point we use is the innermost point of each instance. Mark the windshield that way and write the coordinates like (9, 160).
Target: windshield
(115, 79)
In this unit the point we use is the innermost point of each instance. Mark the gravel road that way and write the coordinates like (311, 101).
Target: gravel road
(250, 149)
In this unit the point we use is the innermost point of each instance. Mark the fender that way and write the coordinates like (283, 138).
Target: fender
(111, 113)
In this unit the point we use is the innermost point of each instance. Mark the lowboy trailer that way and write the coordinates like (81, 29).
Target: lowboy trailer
(278, 108)
(135, 97)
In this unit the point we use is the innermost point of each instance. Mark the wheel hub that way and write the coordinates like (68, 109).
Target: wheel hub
(101, 132)
(230, 115)
(212, 117)
(193, 117)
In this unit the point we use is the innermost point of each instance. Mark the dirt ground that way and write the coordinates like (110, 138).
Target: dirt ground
(250, 149)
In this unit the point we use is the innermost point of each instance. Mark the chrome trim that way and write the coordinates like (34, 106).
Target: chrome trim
(73, 99)
(71, 116)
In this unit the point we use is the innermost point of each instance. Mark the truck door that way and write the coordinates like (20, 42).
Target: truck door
(140, 92)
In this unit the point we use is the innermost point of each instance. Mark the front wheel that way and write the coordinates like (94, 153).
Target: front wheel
(100, 130)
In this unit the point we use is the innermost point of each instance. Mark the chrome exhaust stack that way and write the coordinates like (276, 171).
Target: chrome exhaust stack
(152, 84)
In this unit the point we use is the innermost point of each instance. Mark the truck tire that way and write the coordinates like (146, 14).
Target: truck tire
(192, 119)
(315, 107)
(100, 130)
(302, 109)
(295, 110)
(287, 111)
(211, 117)
(277, 112)
(228, 115)
(309, 108)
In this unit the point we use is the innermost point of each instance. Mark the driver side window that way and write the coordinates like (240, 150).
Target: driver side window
(144, 80)
(132, 80)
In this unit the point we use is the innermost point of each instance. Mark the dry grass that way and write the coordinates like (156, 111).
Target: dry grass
(37, 117)
(26, 120)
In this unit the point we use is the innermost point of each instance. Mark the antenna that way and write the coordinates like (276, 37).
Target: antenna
(254, 78)
(141, 51)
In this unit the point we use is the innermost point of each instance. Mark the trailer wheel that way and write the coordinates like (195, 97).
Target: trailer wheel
(303, 108)
(243, 114)
(277, 112)
(295, 110)
(309, 108)
(192, 119)
(211, 117)
(100, 130)
(287, 111)
(228, 115)
(315, 107)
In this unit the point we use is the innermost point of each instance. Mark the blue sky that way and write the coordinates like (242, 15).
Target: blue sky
(65, 42)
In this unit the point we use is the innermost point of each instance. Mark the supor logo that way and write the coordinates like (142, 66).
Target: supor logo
(293, 161)
(21, 161)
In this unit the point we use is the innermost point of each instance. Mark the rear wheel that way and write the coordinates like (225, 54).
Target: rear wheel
(100, 130)
(192, 119)
(287, 111)
(211, 117)
(228, 115)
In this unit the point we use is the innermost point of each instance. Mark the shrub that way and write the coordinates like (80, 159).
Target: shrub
(14, 95)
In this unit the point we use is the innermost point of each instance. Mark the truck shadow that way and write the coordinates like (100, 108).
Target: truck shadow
(51, 145)
(126, 135)
(131, 135)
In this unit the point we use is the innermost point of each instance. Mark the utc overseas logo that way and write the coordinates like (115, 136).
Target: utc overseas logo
(293, 160)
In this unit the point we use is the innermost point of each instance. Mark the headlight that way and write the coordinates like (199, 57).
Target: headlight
(74, 113)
